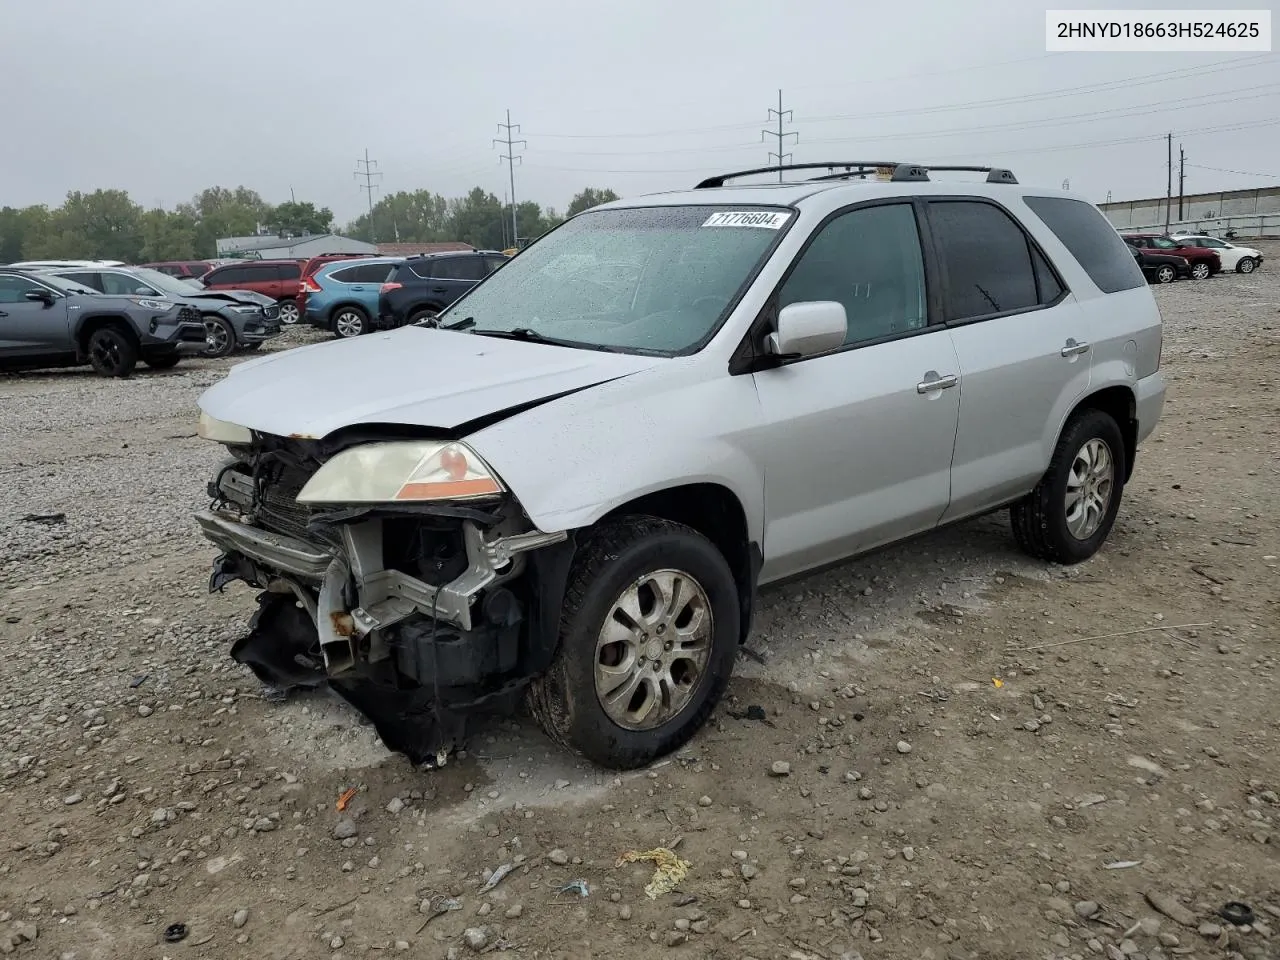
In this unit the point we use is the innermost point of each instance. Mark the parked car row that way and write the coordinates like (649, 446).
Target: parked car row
(354, 297)
(1164, 259)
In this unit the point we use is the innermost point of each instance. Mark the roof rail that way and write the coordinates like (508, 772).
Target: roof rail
(846, 169)
(901, 171)
(994, 174)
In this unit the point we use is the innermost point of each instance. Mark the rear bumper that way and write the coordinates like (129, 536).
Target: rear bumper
(1150, 392)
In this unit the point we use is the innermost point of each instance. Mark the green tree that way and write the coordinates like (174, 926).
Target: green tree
(418, 216)
(477, 219)
(590, 197)
(298, 218)
(221, 212)
(168, 235)
(20, 230)
(532, 221)
(104, 224)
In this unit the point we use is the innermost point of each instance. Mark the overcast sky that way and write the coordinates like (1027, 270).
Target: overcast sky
(163, 98)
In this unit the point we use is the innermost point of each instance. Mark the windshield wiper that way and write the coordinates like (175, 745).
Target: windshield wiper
(519, 333)
(461, 324)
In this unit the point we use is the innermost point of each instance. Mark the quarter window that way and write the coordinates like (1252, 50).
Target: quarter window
(869, 261)
(459, 268)
(986, 258)
(1092, 240)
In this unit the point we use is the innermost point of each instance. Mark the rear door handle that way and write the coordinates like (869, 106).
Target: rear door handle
(437, 290)
(932, 382)
(1073, 349)
(3, 313)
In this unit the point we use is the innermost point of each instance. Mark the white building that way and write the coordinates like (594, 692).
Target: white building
(272, 247)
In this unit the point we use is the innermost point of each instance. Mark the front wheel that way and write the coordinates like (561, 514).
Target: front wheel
(350, 322)
(219, 335)
(650, 629)
(1246, 265)
(1166, 274)
(1200, 271)
(1069, 514)
(422, 316)
(112, 353)
(289, 313)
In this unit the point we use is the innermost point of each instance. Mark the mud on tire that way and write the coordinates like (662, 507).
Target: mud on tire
(615, 557)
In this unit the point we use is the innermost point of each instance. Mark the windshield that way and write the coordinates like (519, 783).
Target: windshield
(174, 286)
(653, 280)
(65, 285)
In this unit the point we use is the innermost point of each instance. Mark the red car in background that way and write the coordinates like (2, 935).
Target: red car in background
(1204, 262)
(281, 280)
(182, 269)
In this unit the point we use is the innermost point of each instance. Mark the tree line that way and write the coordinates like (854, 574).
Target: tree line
(109, 225)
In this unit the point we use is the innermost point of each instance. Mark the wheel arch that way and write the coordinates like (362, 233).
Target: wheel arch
(95, 322)
(1119, 403)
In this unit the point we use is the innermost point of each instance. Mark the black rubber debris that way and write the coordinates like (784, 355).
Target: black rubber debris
(1241, 914)
(175, 932)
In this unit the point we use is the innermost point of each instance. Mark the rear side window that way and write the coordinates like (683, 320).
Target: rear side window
(1092, 241)
(229, 275)
(197, 269)
(987, 259)
(289, 271)
(344, 276)
(421, 269)
(89, 279)
(459, 268)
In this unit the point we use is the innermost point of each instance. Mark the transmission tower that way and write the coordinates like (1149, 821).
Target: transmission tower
(512, 158)
(779, 135)
(369, 174)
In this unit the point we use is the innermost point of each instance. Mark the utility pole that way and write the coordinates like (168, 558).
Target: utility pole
(511, 157)
(368, 174)
(778, 134)
(1182, 178)
(1168, 190)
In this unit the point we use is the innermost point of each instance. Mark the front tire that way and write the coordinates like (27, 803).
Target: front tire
(350, 322)
(1246, 265)
(1069, 514)
(289, 313)
(220, 335)
(420, 316)
(649, 632)
(112, 353)
(1166, 274)
(1200, 271)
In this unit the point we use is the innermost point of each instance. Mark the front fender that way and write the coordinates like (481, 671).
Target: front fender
(573, 460)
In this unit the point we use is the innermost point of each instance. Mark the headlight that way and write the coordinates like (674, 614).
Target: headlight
(246, 308)
(401, 472)
(222, 432)
(162, 305)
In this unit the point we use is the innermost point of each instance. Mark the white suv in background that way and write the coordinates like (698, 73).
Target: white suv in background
(570, 486)
(1239, 259)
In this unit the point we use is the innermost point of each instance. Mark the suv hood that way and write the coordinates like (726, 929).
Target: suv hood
(230, 296)
(413, 376)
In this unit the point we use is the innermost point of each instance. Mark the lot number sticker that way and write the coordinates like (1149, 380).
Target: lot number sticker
(748, 218)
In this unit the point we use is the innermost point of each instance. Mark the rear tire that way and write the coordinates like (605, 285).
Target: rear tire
(165, 361)
(221, 334)
(289, 313)
(1166, 274)
(1247, 265)
(112, 353)
(419, 316)
(1200, 271)
(668, 596)
(1045, 523)
(350, 322)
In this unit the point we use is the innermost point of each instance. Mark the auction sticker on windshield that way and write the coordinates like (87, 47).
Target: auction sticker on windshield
(770, 220)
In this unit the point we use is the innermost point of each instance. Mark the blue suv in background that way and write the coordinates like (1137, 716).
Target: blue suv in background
(342, 296)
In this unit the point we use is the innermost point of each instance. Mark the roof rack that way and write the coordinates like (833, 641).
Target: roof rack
(901, 172)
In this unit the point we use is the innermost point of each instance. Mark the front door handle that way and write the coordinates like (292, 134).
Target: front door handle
(932, 382)
(437, 289)
(3, 313)
(1073, 349)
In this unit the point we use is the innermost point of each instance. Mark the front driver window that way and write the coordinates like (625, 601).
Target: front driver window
(14, 289)
(869, 261)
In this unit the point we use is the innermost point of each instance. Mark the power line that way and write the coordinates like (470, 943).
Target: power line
(369, 174)
(511, 157)
(782, 115)
(1239, 173)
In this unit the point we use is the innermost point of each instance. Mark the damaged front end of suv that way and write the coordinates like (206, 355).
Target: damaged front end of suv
(396, 568)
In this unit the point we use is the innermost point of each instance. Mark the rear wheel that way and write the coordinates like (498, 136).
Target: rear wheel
(350, 322)
(1166, 274)
(422, 316)
(220, 336)
(1200, 271)
(1069, 514)
(289, 313)
(650, 630)
(112, 353)
(1246, 265)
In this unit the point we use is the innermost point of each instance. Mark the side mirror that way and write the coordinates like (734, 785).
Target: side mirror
(147, 292)
(809, 328)
(40, 296)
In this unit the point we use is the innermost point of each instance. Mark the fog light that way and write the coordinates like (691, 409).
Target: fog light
(154, 324)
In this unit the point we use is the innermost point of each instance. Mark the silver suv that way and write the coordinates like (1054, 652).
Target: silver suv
(570, 486)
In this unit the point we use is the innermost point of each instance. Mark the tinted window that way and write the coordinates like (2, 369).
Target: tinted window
(495, 262)
(986, 257)
(197, 269)
(1160, 243)
(374, 272)
(1092, 241)
(13, 289)
(459, 268)
(289, 271)
(347, 275)
(229, 275)
(86, 277)
(868, 260)
(421, 269)
(170, 269)
(1048, 286)
(121, 284)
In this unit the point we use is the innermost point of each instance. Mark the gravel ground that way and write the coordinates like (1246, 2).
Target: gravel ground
(972, 769)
